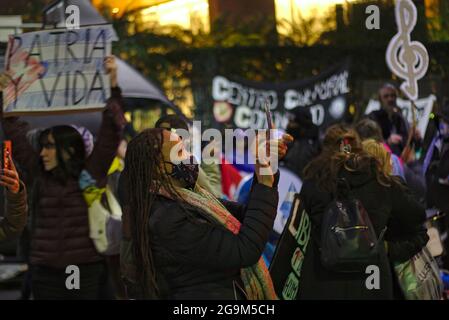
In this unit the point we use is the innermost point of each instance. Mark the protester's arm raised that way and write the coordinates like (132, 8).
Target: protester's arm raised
(16, 204)
(110, 132)
(209, 245)
(269, 179)
(406, 225)
(16, 130)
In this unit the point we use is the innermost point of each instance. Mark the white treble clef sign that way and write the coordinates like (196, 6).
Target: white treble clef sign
(405, 58)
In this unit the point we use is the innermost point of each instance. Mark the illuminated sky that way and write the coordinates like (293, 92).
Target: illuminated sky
(180, 12)
(306, 7)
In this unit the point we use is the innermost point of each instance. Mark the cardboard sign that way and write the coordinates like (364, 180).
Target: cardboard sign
(57, 71)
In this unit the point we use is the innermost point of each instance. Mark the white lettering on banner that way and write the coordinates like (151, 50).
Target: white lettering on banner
(318, 114)
(239, 95)
(248, 103)
(242, 117)
(219, 88)
(329, 88)
(245, 118)
(259, 119)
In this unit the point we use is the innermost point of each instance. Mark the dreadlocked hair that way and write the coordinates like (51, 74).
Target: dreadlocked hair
(145, 175)
(342, 150)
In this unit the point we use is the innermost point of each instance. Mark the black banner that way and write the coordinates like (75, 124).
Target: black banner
(240, 104)
(285, 269)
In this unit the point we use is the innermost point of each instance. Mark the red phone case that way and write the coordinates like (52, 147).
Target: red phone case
(7, 149)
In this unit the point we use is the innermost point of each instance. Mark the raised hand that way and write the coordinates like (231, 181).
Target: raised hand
(9, 178)
(111, 68)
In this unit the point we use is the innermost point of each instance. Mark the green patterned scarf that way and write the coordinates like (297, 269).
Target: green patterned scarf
(256, 279)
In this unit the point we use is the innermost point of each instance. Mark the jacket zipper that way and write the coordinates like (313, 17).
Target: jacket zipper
(340, 229)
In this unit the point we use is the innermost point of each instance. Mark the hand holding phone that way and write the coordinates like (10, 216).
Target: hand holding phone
(6, 154)
(9, 178)
(283, 140)
(268, 115)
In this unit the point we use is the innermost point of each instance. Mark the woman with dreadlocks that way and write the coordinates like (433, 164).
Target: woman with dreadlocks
(186, 244)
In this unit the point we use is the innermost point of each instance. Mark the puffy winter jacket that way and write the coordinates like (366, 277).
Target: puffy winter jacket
(60, 226)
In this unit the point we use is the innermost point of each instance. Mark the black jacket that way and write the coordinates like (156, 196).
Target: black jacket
(437, 192)
(198, 259)
(16, 212)
(387, 206)
(300, 154)
(395, 124)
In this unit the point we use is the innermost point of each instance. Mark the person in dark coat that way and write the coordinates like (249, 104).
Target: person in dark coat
(306, 144)
(60, 234)
(436, 169)
(186, 244)
(387, 202)
(394, 127)
(436, 164)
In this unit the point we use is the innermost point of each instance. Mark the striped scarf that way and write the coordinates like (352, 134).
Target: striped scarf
(256, 279)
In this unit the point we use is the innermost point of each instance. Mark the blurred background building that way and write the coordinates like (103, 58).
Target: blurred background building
(283, 15)
(181, 44)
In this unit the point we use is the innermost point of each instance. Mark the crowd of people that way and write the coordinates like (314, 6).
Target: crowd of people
(181, 238)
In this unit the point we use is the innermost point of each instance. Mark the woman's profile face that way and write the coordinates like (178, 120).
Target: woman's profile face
(173, 150)
(48, 153)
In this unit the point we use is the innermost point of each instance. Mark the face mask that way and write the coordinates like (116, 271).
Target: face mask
(187, 172)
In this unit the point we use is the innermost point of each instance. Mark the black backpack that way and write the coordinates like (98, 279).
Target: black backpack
(348, 240)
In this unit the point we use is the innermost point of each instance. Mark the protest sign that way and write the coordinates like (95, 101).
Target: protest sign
(423, 108)
(407, 59)
(240, 103)
(57, 71)
(289, 185)
(285, 269)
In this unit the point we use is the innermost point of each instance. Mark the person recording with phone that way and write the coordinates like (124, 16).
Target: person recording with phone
(60, 232)
(15, 217)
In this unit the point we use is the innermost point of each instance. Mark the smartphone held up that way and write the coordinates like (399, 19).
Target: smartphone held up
(6, 154)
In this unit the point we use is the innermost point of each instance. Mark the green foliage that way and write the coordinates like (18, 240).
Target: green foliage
(439, 26)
